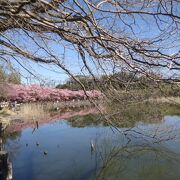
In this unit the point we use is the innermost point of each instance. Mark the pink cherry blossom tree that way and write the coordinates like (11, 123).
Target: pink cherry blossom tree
(32, 93)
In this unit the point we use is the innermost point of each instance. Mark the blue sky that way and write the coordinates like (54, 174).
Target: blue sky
(43, 71)
(69, 56)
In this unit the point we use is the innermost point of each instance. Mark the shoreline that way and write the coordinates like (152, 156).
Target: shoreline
(30, 113)
(49, 112)
(18, 124)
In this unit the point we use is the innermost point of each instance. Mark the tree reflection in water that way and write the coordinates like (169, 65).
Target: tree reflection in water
(141, 146)
(140, 161)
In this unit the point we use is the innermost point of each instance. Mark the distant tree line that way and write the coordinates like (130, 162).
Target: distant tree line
(9, 76)
(123, 81)
(119, 80)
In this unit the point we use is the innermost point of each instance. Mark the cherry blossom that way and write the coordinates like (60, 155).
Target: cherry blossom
(32, 93)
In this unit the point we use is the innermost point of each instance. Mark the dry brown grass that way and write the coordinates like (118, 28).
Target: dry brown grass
(172, 100)
(5, 113)
(36, 111)
(32, 111)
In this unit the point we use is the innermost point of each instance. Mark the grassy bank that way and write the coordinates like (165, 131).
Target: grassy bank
(124, 112)
(28, 112)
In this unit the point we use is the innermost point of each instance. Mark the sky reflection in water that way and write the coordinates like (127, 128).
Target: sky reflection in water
(69, 155)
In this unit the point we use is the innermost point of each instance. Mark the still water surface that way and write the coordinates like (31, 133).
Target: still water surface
(62, 150)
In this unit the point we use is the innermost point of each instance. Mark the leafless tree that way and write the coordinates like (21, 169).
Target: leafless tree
(140, 36)
(137, 36)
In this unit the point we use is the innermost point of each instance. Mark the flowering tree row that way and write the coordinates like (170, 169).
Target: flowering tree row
(32, 93)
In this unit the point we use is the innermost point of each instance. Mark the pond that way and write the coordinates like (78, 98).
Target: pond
(62, 149)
